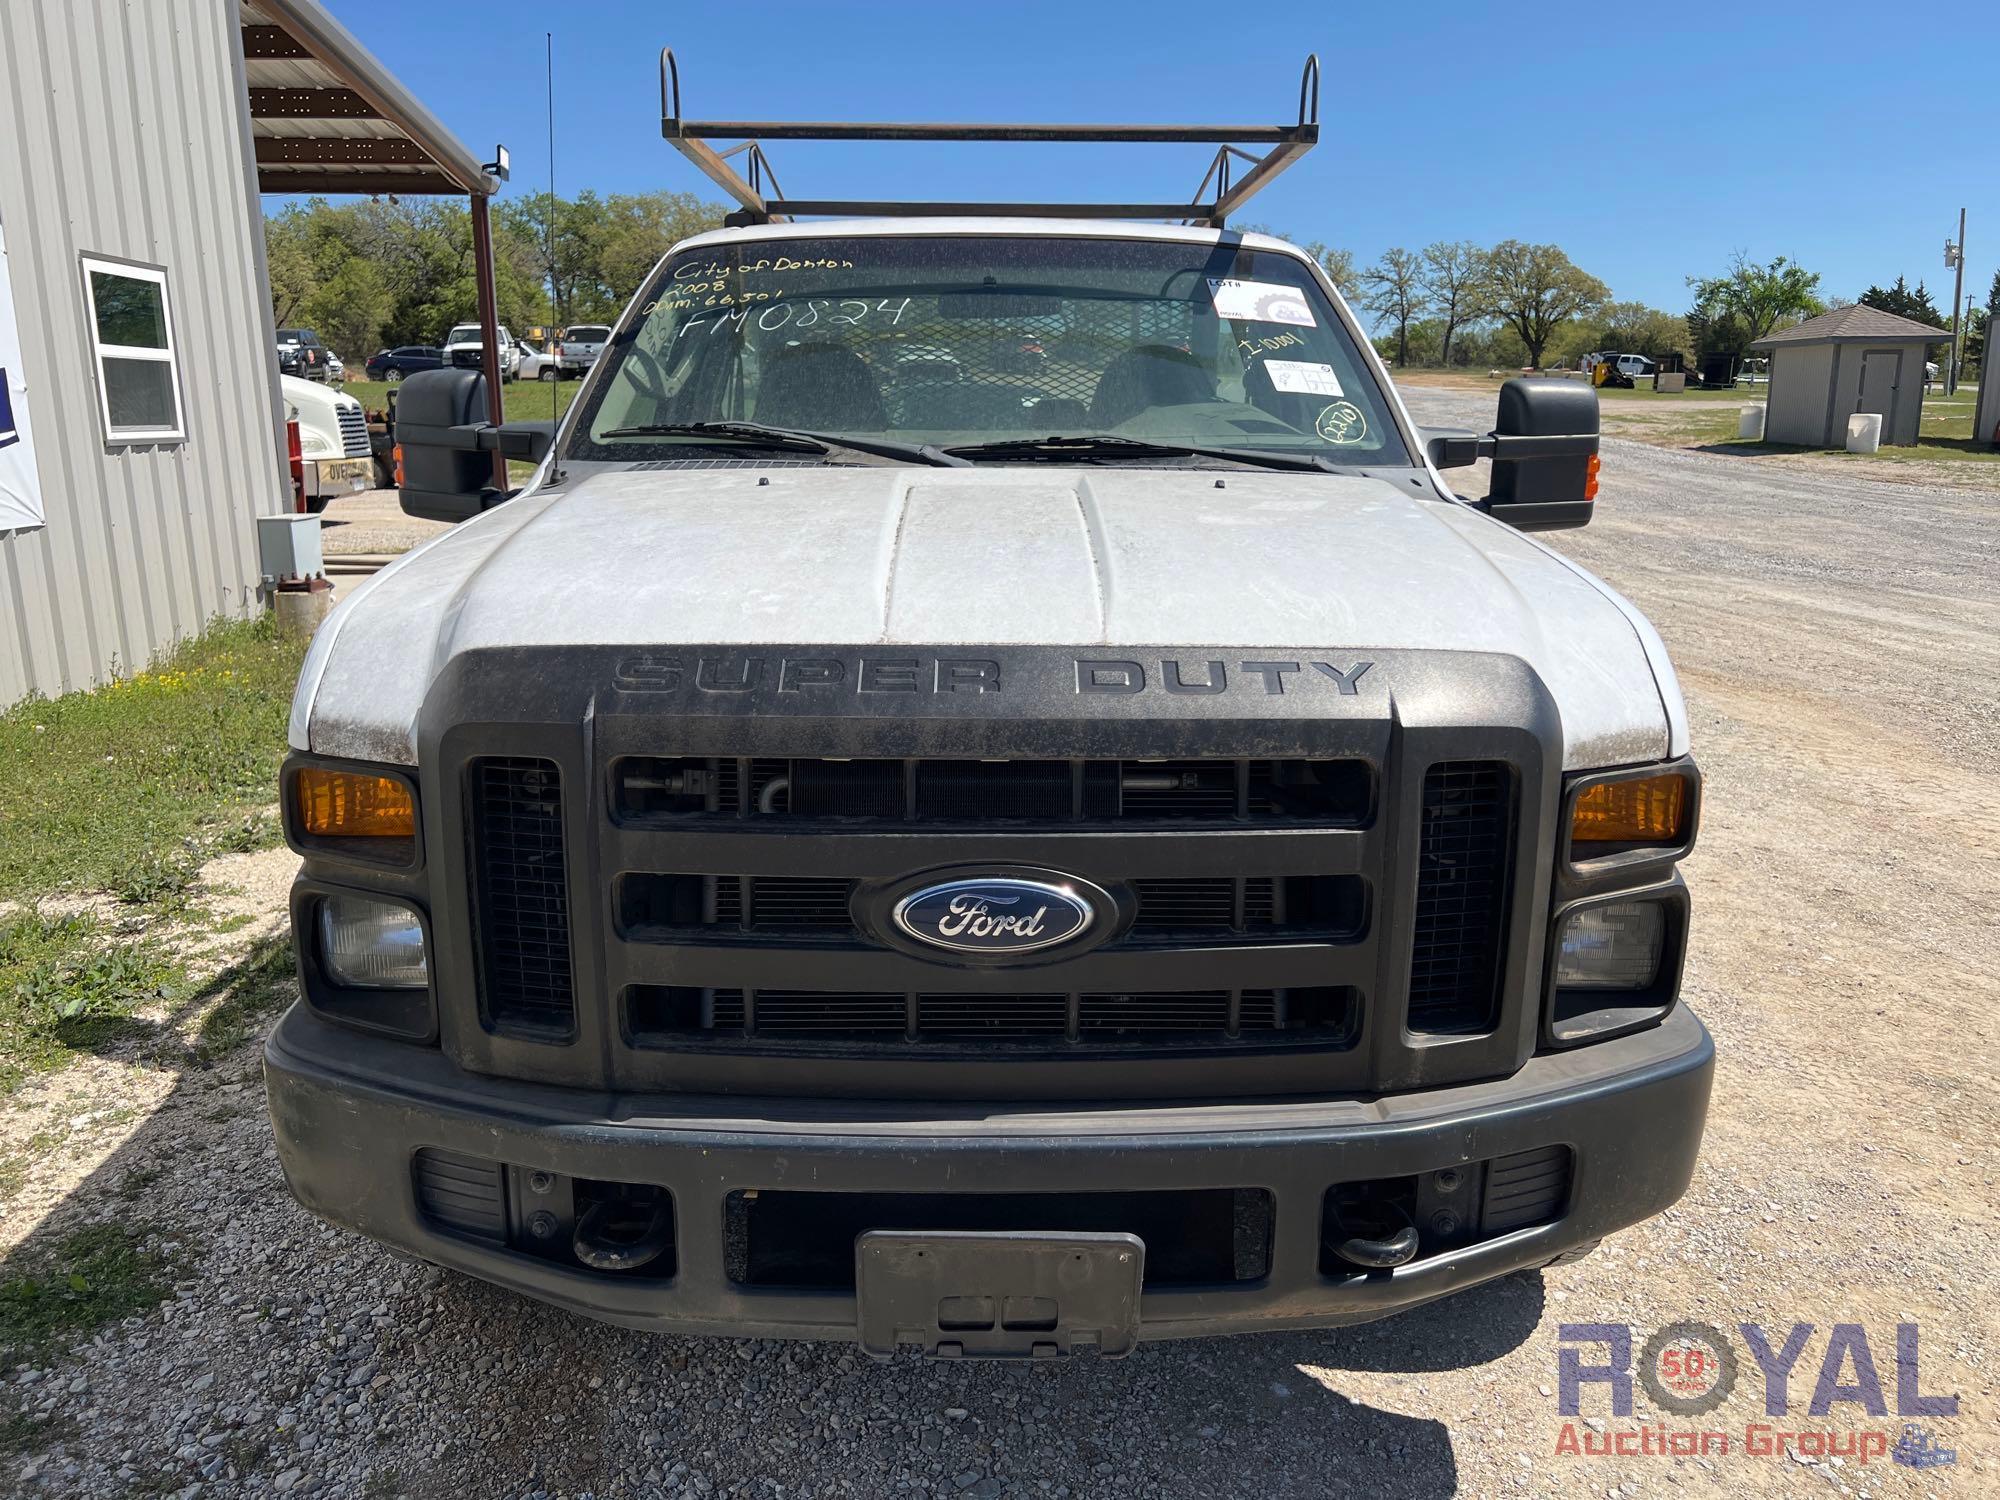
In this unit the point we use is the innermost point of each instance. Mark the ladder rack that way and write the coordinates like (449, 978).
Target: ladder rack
(1234, 175)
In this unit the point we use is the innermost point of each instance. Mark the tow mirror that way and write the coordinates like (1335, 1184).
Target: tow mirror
(448, 445)
(1544, 452)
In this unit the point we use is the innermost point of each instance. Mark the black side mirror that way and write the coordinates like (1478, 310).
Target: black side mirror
(448, 446)
(1544, 452)
(1544, 455)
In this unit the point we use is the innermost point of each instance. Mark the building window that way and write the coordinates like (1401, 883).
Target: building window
(132, 339)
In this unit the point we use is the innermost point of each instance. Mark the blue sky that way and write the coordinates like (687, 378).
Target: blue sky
(1650, 142)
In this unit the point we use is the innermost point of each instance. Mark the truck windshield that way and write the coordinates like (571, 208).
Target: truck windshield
(960, 340)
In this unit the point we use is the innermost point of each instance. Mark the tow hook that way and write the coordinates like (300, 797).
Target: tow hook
(1381, 1238)
(603, 1243)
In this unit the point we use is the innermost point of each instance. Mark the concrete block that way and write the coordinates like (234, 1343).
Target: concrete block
(300, 611)
(1864, 432)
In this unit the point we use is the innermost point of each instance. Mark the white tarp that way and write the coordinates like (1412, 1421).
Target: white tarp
(20, 486)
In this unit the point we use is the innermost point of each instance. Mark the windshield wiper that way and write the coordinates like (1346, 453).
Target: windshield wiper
(792, 440)
(1105, 445)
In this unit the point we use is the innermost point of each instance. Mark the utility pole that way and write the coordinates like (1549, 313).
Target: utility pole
(1954, 259)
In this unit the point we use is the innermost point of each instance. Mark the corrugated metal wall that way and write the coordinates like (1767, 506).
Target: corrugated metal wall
(123, 132)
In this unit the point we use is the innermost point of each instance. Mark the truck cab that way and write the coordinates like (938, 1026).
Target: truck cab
(465, 349)
(579, 347)
(884, 837)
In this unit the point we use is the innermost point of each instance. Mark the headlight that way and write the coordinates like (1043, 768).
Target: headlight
(365, 944)
(1617, 963)
(1616, 946)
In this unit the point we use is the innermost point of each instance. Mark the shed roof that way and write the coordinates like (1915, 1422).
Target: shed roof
(1855, 325)
(327, 117)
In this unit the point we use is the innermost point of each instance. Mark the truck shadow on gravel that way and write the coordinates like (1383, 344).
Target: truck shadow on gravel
(177, 1307)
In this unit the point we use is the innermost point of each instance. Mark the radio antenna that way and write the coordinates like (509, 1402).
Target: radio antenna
(555, 386)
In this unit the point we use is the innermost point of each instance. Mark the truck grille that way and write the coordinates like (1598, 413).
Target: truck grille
(353, 431)
(1462, 862)
(523, 916)
(740, 938)
(653, 790)
(676, 907)
(677, 1016)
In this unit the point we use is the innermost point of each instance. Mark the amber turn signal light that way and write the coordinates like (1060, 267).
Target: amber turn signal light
(354, 805)
(1641, 810)
(1590, 478)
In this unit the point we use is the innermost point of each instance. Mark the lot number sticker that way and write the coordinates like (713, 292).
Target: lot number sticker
(1261, 302)
(1303, 377)
(1342, 423)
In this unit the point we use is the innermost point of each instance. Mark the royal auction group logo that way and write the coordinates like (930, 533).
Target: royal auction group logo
(1689, 1369)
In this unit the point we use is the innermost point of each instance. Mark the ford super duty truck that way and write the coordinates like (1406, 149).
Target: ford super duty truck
(988, 795)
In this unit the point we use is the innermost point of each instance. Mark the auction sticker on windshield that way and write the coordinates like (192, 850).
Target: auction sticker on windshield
(1301, 375)
(1261, 302)
(1343, 424)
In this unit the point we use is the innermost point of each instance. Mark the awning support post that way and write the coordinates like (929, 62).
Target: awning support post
(489, 324)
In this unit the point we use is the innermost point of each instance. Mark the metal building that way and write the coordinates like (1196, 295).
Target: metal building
(141, 428)
(1853, 359)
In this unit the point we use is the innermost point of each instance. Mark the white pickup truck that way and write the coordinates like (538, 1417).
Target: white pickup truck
(988, 794)
(465, 348)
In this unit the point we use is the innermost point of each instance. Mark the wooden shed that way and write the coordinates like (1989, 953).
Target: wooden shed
(1853, 359)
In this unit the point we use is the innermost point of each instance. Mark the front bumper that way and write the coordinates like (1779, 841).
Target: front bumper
(351, 1111)
(339, 476)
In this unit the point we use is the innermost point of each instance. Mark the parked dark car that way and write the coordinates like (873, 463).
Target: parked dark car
(301, 353)
(394, 364)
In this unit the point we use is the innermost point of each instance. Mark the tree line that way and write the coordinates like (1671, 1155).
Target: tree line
(1525, 305)
(371, 274)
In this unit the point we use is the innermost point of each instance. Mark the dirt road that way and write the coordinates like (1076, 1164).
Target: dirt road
(1839, 643)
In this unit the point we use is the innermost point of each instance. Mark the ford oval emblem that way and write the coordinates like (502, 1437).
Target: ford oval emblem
(996, 917)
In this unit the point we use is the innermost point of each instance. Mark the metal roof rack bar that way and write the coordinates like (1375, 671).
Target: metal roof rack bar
(1231, 191)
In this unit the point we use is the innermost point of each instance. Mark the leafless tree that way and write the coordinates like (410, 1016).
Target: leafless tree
(1454, 283)
(1393, 290)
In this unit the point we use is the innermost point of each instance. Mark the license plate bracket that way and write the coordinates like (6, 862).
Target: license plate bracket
(1005, 1294)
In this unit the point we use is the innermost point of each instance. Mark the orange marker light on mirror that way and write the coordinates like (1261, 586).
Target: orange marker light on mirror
(1590, 479)
(1643, 810)
(354, 805)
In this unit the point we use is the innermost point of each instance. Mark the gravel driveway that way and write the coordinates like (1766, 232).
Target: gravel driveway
(1839, 643)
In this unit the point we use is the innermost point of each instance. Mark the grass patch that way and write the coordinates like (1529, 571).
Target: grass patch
(1943, 438)
(129, 788)
(92, 1276)
(66, 988)
(523, 401)
(251, 988)
(136, 1181)
(23, 1432)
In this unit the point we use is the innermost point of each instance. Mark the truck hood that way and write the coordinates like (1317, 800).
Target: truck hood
(1031, 556)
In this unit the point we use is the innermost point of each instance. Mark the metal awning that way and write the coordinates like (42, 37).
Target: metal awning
(327, 117)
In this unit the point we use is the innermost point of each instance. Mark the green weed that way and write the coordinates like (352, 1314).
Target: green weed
(92, 1276)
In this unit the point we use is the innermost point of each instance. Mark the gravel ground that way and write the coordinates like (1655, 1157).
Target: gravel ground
(1839, 644)
(372, 521)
